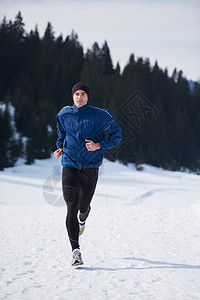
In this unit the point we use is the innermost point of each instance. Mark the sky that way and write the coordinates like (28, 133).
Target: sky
(164, 30)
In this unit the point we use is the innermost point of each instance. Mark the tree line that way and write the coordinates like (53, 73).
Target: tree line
(36, 77)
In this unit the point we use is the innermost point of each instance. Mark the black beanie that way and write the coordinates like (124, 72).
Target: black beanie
(81, 86)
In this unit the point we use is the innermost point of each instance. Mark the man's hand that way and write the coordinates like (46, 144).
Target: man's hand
(58, 152)
(91, 146)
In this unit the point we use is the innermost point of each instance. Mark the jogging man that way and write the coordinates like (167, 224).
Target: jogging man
(84, 132)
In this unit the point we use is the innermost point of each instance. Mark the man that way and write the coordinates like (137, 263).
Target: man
(81, 140)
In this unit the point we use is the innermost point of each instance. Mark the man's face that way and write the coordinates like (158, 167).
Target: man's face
(80, 98)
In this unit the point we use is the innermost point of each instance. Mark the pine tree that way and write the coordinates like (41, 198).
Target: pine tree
(108, 65)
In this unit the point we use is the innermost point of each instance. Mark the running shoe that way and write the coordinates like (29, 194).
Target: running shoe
(76, 259)
(81, 224)
(81, 220)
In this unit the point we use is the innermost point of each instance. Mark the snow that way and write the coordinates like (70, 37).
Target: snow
(2, 107)
(141, 240)
(11, 111)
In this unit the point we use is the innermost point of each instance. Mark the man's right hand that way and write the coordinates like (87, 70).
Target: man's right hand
(58, 152)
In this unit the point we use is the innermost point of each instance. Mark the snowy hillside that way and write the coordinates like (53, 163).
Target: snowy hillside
(141, 240)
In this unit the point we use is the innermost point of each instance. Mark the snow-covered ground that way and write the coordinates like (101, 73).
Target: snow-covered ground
(142, 239)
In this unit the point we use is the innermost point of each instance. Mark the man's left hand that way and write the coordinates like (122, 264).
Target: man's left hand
(91, 146)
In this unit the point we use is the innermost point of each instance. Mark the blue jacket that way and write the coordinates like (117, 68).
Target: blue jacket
(74, 125)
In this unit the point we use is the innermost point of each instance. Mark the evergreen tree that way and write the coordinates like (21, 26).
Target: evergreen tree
(107, 61)
(9, 150)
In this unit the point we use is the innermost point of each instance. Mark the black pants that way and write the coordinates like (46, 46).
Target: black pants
(78, 189)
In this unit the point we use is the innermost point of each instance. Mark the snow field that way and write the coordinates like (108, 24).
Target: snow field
(141, 239)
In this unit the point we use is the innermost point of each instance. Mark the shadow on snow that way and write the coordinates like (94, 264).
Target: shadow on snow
(151, 265)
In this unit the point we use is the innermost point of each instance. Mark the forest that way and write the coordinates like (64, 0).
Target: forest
(159, 114)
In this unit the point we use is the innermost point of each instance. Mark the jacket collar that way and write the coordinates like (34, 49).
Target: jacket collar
(82, 109)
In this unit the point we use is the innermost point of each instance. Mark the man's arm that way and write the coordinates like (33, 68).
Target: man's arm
(114, 135)
(61, 133)
(61, 136)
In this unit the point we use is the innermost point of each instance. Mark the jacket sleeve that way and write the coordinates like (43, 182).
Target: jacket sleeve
(61, 133)
(113, 134)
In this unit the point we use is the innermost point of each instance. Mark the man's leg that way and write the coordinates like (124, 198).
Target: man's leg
(88, 181)
(71, 188)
